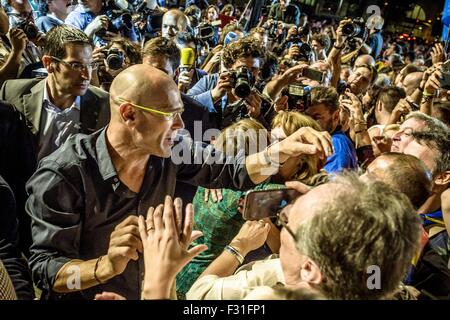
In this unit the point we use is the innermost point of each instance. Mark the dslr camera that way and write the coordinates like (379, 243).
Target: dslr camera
(355, 29)
(305, 52)
(299, 97)
(114, 58)
(243, 82)
(30, 29)
(305, 49)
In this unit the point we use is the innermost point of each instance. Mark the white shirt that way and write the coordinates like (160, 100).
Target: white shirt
(56, 125)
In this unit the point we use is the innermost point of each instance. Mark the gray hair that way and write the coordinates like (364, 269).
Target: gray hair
(367, 224)
(435, 136)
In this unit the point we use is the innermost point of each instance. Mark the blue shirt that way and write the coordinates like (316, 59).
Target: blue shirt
(80, 19)
(201, 91)
(344, 156)
(46, 23)
(376, 44)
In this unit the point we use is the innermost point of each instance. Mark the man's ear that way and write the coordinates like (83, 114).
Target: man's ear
(379, 106)
(127, 113)
(311, 273)
(48, 63)
(336, 116)
(442, 178)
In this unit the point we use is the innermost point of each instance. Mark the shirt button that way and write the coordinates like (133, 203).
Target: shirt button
(116, 180)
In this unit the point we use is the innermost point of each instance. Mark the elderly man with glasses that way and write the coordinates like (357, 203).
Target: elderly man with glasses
(56, 107)
(318, 249)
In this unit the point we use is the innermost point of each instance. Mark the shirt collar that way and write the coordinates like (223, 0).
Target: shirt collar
(105, 164)
(48, 102)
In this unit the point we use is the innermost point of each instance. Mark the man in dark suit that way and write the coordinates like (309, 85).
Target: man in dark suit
(58, 106)
(63, 103)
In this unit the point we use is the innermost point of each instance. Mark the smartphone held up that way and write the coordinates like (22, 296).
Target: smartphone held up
(260, 204)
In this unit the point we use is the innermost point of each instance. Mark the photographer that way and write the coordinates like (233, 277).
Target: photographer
(53, 13)
(100, 21)
(283, 11)
(211, 18)
(241, 61)
(119, 54)
(363, 76)
(10, 56)
(21, 18)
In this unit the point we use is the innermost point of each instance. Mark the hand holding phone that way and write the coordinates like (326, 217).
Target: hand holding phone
(260, 204)
(313, 74)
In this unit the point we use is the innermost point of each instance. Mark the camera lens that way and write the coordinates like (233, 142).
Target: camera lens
(115, 60)
(243, 86)
(351, 29)
(31, 31)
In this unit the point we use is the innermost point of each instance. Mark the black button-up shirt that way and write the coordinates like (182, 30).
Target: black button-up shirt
(76, 200)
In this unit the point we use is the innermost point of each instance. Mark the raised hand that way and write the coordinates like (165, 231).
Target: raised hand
(165, 247)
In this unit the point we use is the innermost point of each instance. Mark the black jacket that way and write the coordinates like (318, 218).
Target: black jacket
(10, 255)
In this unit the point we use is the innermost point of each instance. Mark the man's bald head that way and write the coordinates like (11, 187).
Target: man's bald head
(365, 59)
(146, 111)
(145, 85)
(411, 82)
(173, 21)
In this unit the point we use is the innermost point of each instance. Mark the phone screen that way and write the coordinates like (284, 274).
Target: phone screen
(313, 74)
(267, 203)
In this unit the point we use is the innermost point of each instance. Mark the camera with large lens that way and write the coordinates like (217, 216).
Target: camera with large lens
(243, 82)
(355, 29)
(272, 29)
(303, 31)
(114, 58)
(122, 20)
(30, 29)
(305, 50)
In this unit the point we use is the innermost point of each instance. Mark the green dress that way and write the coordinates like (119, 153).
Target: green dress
(220, 222)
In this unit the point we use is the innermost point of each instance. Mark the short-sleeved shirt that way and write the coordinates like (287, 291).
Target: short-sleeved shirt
(344, 156)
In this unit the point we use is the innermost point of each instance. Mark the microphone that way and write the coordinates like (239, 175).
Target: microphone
(187, 61)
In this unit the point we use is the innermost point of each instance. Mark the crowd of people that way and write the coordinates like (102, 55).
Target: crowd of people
(133, 135)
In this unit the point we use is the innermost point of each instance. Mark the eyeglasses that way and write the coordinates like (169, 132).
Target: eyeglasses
(283, 221)
(76, 66)
(166, 115)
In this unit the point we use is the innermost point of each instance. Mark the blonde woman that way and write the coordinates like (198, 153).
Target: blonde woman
(220, 221)
(302, 168)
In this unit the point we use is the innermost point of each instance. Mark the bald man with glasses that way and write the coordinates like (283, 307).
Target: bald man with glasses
(85, 199)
